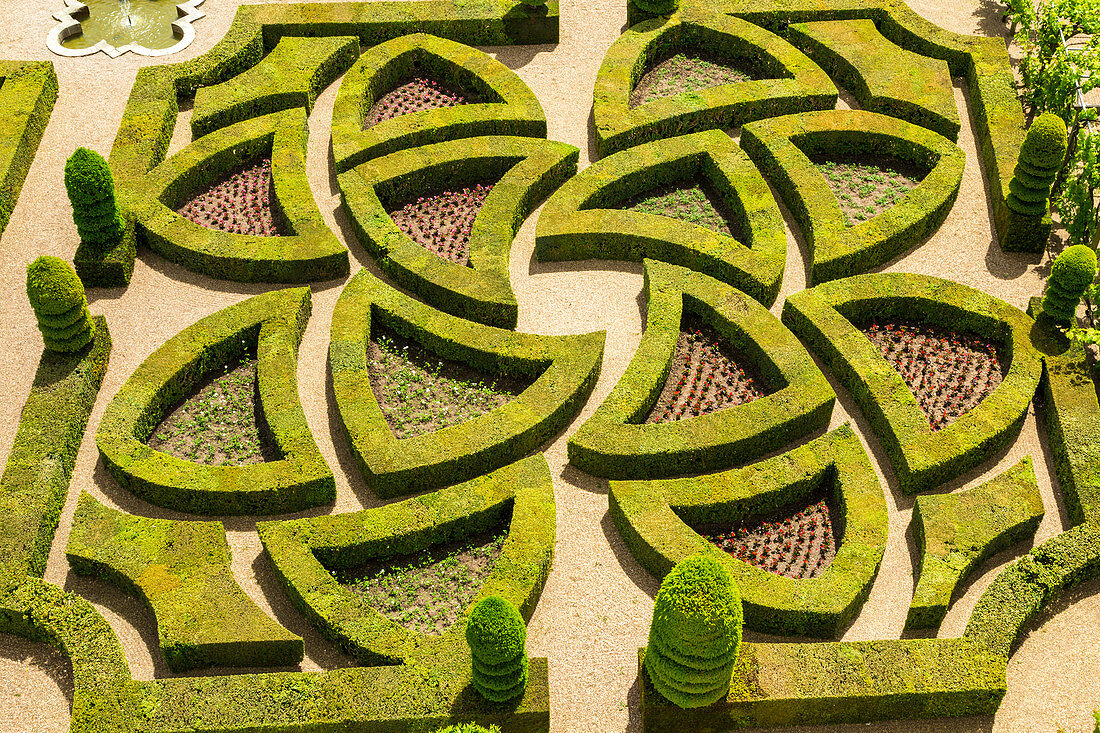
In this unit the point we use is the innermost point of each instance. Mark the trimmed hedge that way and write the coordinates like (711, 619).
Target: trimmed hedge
(290, 76)
(1070, 277)
(60, 306)
(498, 643)
(581, 220)
(181, 570)
(40, 464)
(91, 190)
(957, 532)
(525, 170)
(312, 253)
(506, 107)
(28, 90)
(615, 442)
(921, 458)
(300, 479)
(655, 518)
(782, 148)
(791, 81)
(565, 369)
(110, 268)
(882, 76)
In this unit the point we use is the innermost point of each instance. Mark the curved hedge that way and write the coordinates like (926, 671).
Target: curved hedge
(566, 368)
(28, 90)
(181, 570)
(300, 479)
(793, 83)
(614, 442)
(921, 458)
(507, 106)
(525, 171)
(311, 253)
(782, 147)
(654, 519)
(580, 220)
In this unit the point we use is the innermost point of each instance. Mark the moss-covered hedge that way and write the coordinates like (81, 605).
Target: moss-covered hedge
(789, 82)
(312, 252)
(882, 76)
(501, 104)
(826, 317)
(181, 570)
(957, 532)
(655, 518)
(524, 170)
(28, 90)
(40, 464)
(581, 220)
(292, 75)
(274, 323)
(783, 147)
(564, 368)
(616, 443)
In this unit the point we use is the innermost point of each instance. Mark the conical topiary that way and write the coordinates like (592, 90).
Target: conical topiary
(91, 190)
(498, 641)
(1040, 160)
(695, 633)
(1070, 276)
(57, 297)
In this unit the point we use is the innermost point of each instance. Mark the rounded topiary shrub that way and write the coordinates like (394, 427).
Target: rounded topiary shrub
(91, 190)
(1040, 160)
(57, 297)
(695, 633)
(1070, 276)
(658, 7)
(498, 642)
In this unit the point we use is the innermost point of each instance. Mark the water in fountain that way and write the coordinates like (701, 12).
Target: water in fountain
(119, 22)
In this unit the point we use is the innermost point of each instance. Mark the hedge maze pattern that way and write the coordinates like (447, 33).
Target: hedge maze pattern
(675, 485)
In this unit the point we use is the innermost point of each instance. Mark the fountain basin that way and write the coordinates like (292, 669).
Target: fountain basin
(145, 27)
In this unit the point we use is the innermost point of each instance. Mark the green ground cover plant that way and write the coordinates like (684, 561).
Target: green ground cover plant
(865, 187)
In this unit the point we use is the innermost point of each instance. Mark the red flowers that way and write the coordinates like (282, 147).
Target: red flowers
(799, 546)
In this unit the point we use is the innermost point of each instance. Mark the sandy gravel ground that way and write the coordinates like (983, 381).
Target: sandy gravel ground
(597, 604)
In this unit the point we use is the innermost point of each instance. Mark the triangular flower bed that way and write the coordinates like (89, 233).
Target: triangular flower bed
(922, 457)
(242, 202)
(418, 94)
(689, 70)
(443, 222)
(619, 442)
(692, 201)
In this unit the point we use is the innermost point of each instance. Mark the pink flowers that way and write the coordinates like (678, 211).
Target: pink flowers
(239, 203)
(417, 95)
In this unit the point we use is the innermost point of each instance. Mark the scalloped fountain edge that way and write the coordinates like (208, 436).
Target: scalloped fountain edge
(69, 26)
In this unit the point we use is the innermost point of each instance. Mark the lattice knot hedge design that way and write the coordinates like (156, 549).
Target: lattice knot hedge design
(440, 154)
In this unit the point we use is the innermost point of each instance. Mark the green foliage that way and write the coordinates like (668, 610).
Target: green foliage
(1045, 143)
(1079, 203)
(695, 633)
(1040, 161)
(658, 7)
(91, 189)
(57, 297)
(28, 90)
(468, 728)
(1070, 276)
(497, 637)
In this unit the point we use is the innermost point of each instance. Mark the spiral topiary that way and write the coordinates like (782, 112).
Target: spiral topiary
(695, 633)
(498, 638)
(1040, 160)
(658, 7)
(57, 297)
(1070, 276)
(91, 190)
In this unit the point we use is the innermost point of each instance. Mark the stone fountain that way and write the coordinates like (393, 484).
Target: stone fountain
(145, 27)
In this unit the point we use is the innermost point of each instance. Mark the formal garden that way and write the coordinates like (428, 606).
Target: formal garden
(448, 366)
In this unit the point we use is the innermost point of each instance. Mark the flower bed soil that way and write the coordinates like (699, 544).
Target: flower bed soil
(240, 203)
(221, 424)
(866, 186)
(706, 376)
(416, 95)
(693, 201)
(442, 223)
(686, 71)
(796, 544)
(949, 373)
(420, 393)
(427, 591)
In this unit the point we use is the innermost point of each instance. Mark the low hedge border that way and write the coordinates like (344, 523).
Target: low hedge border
(921, 459)
(305, 553)
(794, 82)
(614, 442)
(36, 478)
(580, 221)
(292, 75)
(884, 77)
(956, 532)
(998, 115)
(525, 170)
(312, 253)
(181, 570)
(110, 269)
(781, 148)
(28, 90)
(301, 479)
(509, 106)
(565, 369)
(653, 518)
